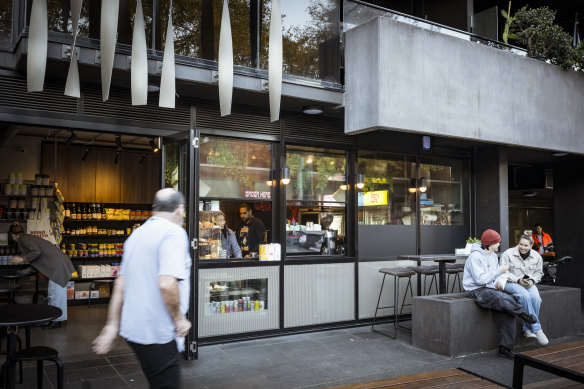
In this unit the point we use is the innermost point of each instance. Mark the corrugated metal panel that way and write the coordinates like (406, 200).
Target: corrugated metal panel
(13, 93)
(316, 294)
(212, 324)
(119, 106)
(253, 122)
(316, 129)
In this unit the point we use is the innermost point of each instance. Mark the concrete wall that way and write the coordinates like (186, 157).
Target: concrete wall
(402, 77)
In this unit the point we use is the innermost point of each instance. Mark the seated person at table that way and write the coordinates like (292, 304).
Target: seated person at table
(484, 281)
(525, 270)
(542, 242)
(228, 239)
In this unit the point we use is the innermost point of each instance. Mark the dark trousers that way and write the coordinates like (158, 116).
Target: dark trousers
(504, 308)
(160, 363)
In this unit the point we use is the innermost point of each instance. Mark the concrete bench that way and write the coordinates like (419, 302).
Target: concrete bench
(454, 325)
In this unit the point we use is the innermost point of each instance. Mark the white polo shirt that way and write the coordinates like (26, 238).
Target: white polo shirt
(158, 247)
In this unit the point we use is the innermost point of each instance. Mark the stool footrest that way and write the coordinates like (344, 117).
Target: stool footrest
(35, 354)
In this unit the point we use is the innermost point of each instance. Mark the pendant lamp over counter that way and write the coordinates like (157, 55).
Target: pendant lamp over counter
(167, 78)
(275, 61)
(139, 66)
(225, 62)
(108, 35)
(72, 87)
(36, 59)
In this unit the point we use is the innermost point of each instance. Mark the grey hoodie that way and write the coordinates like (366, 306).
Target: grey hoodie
(481, 269)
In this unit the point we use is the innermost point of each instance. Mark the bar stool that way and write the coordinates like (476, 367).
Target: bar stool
(38, 354)
(3, 335)
(398, 273)
(427, 271)
(9, 289)
(454, 269)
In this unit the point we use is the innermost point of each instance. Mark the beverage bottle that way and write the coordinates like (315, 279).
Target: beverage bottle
(103, 214)
(73, 212)
(79, 214)
(98, 212)
(67, 211)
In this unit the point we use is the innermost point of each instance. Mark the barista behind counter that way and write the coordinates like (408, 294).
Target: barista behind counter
(250, 232)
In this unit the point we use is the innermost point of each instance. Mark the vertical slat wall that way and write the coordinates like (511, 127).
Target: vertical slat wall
(98, 178)
(238, 322)
(317, 294)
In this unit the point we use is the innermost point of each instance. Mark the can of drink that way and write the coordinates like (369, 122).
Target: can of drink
(262, 305)
(257, 305)
(222, 307)
(240, 305)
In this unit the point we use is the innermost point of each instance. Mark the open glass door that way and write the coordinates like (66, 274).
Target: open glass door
(179, 165)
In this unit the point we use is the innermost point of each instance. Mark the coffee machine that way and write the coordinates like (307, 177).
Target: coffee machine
(328, 246)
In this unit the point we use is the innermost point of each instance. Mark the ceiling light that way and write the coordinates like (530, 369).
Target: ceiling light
(71, 138)
(285, 175)
(423, 185)
(312, 109)
(270, 180)
(343, 187)
(559, 154)
(360, 180)
(153, 88)
(154, 146)
(529, 194)
(412, 188)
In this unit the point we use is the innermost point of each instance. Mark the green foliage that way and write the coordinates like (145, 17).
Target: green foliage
(534, 28)
(472, 239)
(508, 20)
(313, 177)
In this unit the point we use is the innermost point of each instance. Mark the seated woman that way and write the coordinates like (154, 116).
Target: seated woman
(228, 239)
(525, 270)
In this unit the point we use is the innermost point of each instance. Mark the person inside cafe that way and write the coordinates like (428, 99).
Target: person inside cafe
(525, 270)
(228, 239)
(250, 232)
(46, 258)
(542, 242)
(484, 281)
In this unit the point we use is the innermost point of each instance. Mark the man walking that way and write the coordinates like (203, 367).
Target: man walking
(151, 294)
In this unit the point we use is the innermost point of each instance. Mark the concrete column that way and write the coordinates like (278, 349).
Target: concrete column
(568, 215)
(492, 191)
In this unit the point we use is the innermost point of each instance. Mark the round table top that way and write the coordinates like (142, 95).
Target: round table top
(24, 314)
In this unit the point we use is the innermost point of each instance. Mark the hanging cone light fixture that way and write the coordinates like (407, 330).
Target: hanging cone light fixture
(139, 66)
(36, 59)
(72, 87)
(108, 35)
(167, 79)
(225, 62)
(275, 61)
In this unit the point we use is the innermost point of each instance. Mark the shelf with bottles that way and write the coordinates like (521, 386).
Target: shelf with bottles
(105, 257)
(98, 212)
(93, 250)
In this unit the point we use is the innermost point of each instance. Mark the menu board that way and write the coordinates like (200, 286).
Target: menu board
(373, 198)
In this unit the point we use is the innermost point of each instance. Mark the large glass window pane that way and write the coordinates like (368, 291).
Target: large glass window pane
(5, 20)
(385, 198)
(442, 203)
(235, 169)
(315, 207)
(310, 38)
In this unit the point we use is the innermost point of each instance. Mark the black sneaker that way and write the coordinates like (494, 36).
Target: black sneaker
(528, 318)
(505, 352)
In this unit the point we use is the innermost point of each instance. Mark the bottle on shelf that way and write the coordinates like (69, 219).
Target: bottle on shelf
(73, 211)
(103, 213)
(98, 211)
(79, 214)
(67, 211)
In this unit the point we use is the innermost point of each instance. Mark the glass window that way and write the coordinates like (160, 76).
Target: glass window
(310, 38)
(235, 169)
(5, 20)
(442, 203)
(316, 196)
(237, 296)
(385, 198)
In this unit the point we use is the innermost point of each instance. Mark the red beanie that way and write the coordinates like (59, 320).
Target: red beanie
(490, 237)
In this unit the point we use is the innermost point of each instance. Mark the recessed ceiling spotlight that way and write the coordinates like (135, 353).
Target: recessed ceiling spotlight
(529, 194)
(312, 109)
(559, 154)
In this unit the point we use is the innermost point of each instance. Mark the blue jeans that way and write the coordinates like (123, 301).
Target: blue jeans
(529, 300)
(57, 296)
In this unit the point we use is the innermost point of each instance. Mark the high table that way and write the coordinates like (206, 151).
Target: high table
(15, 315)
(442, 260)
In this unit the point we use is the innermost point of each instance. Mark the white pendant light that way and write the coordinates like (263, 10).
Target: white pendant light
(275, 61)
(108, 35)
(72, 87)
(139, 66)
(167, 78)
(225, 62)
(36, 59)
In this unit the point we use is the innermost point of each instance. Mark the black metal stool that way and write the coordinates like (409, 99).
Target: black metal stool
(38, 354)
(427, 271)
(4, 334)
(398, 273)
(9, 289)
(454, 269)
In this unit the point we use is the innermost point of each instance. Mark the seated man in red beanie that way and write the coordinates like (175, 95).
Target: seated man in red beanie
(484, 281)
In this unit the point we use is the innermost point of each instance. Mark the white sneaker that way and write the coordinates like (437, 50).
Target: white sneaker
(541, 338)
(529, 334)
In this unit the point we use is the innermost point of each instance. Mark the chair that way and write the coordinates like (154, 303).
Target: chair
(427, 271)
(397, 273)
(38, 354)
(454, 269)
(4, 334)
